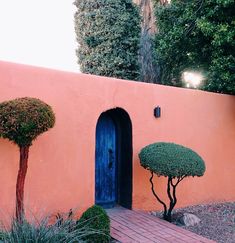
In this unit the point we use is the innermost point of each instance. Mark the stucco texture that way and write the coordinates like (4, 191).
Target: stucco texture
(61, 170)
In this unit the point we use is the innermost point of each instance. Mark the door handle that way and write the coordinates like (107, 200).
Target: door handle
(110, 163)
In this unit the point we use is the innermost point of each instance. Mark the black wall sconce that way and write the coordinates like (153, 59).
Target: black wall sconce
(157, 111)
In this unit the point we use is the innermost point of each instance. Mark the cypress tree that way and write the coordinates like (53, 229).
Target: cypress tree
(108, 33)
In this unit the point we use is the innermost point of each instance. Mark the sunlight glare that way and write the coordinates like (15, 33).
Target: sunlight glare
(192, 79)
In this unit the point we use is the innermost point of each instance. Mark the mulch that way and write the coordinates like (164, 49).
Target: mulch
(217, 221)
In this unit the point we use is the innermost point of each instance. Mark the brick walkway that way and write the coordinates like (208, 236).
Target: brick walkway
(135, 226)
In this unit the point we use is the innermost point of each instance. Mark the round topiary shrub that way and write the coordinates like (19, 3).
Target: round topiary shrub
(96, 219)
(21, 121)
(173, 161)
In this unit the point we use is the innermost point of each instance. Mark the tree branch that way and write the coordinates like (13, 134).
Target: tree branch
(179, 179)
(193, 23)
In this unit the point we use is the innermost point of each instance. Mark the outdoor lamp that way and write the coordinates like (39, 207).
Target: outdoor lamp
(157, 111)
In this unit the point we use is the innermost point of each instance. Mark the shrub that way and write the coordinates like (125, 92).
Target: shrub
(21, 121)
(174, 162)
(96, 219)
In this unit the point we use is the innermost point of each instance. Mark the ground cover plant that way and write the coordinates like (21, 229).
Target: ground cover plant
(22, 120)
(93, 226)
(173, 161)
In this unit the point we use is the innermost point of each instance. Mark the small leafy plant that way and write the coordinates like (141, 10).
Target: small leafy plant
(96, 219)
(173, 161)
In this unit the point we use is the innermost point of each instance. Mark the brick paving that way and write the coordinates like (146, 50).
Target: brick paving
(128, 226)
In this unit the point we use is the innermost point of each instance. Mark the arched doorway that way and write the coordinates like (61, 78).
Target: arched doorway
(113, 159)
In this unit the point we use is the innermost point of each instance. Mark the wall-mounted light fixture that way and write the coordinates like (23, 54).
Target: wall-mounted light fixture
(157, 112)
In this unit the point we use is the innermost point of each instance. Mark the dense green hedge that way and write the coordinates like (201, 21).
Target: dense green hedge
(108, 34)
(23, 119)
(171, 160)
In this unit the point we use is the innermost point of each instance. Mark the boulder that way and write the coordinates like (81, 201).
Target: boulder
(189, 219)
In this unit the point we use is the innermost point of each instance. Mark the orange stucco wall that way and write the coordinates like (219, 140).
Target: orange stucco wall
(61, 163)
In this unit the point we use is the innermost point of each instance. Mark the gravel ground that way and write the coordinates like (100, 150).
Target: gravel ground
(217, 221)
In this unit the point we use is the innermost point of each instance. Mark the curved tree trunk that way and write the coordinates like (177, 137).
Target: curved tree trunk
(24, 151)
(171, 193)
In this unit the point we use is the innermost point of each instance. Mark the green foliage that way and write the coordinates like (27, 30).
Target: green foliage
(23, 119)
(174, 162)
(197, 35)
(96, 219)
(42, 231)
(108, 36)
(171, 160)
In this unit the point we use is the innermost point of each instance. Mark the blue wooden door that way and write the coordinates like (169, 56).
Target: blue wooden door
(105, 162)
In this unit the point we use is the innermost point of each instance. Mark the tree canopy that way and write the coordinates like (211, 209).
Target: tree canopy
(23, 119)
(197, 36)
(108, 34)
(171, 160)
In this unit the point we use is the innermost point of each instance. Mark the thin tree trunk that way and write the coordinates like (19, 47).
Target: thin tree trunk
(24, 151)
(157, 197)
(172, 201)
(172, 204)
(172, 196)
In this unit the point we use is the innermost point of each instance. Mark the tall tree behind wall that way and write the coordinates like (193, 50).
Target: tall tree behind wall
(149, 71)
(108, 33)
(197, 37)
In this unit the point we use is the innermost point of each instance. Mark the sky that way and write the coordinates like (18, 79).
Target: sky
(38, 33)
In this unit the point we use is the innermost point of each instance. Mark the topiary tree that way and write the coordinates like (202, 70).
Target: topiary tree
(21, 121)
(96, 220)
(108, 34)
(174, 162)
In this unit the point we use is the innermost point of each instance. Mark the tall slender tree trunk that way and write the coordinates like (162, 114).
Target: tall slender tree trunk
(150, 72)
(24, 151)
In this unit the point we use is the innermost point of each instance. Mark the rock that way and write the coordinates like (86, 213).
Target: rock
(153, 213)
(189, 219)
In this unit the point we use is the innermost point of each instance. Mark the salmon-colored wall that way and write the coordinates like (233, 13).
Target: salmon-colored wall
(61, 161)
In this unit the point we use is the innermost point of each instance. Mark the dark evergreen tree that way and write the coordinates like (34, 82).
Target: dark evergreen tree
(108, 34)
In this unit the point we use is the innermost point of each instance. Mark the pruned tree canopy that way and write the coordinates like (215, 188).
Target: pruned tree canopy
(23, 119)
(171, 160)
